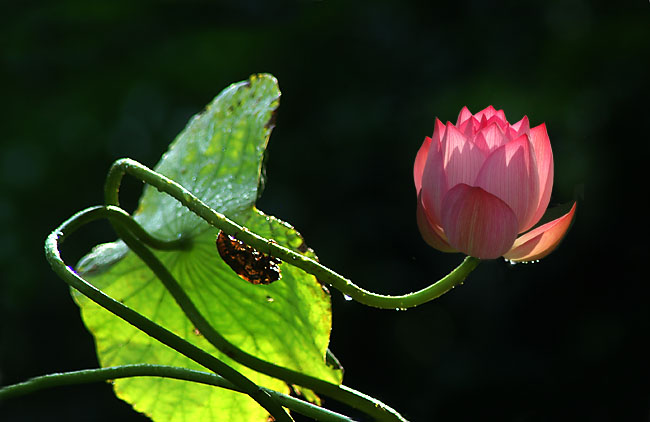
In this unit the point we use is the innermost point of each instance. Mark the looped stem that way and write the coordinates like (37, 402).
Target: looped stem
(268, 246)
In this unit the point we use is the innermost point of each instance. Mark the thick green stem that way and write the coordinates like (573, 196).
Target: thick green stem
(146, 370)
(268, 246)
(137, 320)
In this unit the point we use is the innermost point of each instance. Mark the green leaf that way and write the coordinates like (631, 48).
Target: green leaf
(217, 157)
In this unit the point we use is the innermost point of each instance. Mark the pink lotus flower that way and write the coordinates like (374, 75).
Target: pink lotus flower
(483, 182)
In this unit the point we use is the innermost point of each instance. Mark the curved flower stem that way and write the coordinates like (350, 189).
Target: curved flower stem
(322, 273)
(146, 370)
(123, 223)
(137, 320)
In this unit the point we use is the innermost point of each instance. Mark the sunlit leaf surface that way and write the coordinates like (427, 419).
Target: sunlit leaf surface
(217, 157)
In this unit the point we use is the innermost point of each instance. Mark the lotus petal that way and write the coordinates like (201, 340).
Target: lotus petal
(541, 241)
(477, 222)
(521, 127)
(420, 161)
(434, 180)
(496, 119)
(438, 130)
(510, 174)
(544, 159)
(487, 113)
(431, 232)
(463, 115)
(462, 158)
(492, 136)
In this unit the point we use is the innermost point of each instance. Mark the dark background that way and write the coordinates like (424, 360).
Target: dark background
(85, 83)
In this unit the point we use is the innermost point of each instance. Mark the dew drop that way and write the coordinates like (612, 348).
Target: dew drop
(510, 263)
(347, 298)
(270, 299)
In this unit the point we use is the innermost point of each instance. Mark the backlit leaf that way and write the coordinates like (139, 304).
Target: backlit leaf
(217, 157)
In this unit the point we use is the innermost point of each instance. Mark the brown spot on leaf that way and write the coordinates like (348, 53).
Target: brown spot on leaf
(270, 124)
(303, 248)
(249, 263)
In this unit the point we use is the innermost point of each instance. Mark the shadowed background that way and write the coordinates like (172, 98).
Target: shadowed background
(85, 83)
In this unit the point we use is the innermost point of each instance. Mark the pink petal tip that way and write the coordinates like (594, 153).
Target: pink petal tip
(541, 241)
